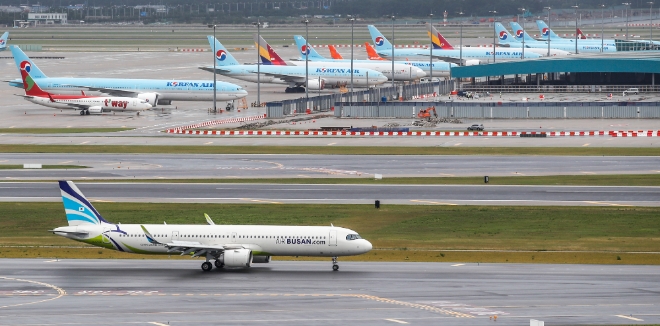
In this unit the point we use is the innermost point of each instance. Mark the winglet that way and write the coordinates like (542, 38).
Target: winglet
(208, 219)
(150, 238)
(333, 53)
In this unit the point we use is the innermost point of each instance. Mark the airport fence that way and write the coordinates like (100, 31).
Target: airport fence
(476, 111)
(327, 103)
(606, 89)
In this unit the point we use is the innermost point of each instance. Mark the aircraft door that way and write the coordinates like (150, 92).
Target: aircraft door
(333, 238)
(233, 237)
(175, 235)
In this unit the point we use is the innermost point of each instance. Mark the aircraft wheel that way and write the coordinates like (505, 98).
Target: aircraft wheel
(206, 266)
(82, 112)
(87, 112)
(335, 268)
(288, 90)
(218, 264)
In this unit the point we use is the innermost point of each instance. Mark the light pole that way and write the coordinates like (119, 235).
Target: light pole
(393, 50)
(352, 46)
(602, 24)
(548, 9)
(215, 108)
(431, 49)
(651, 15)
(523, 36)
(627, 4)
(576, 27)
(258, 59)
(306, 64)
(494, 34)
(460, 23)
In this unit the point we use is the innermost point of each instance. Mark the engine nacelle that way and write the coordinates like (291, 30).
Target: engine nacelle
(95, 109)
(473, 62)
(237, 257)
(260, 259)
(315, 84)
(151, 98)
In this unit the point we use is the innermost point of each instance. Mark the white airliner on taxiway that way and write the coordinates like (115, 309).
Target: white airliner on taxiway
(227, 245)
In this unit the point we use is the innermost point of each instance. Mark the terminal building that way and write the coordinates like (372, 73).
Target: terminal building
(47, 18)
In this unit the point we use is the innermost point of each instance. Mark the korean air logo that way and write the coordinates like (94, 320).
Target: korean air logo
(503, 35)
(221, 55)
(545, 31)
(175, 83)
(2, 42)
(25, 65)
(304, 50)
(520, 33)
(379, 40)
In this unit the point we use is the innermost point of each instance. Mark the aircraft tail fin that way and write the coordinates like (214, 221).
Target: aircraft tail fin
(3, 41)
(21, 59)
(29, 85)
(503, 35)
(379, 40)
(333, 53)
(439, 41)
(267, 53)
(580, 34)
(546, 31)
(79, 211)
(306, 49)
(222, 56)
(371, 52)
(519, 33)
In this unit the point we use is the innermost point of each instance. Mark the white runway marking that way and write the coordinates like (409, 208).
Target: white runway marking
(396, 321)
(456, 265)
(156, 323)
(629, 317)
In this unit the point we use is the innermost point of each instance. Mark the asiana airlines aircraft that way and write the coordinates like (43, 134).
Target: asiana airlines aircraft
(237, 246)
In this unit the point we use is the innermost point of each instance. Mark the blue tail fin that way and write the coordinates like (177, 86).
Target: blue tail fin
(503, 35)
(20, 58)
(520, 33)
(382, 44)
(3, 41)
(79, 211)
(546, 31)
(222, 56)
(301, 44)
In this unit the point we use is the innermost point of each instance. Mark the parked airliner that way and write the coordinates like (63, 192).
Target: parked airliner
(226, 245)
(3, 41)
(155, 91)
(506, 38)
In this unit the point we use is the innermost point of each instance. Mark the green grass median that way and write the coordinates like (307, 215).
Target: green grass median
(599, 235)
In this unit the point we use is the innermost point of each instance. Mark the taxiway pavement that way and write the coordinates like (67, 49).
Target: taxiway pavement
(177, 292)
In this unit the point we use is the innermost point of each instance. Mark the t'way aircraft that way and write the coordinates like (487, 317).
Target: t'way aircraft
(294, 76)
(226, 245)
(86, 104)
(154, 91)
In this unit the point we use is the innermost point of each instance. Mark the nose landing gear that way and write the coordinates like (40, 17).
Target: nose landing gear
(335, 266)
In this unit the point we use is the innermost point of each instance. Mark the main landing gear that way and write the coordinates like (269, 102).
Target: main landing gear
(84, 112)
(207, 266)
(297, 89)
(219, 264)
(335, 266)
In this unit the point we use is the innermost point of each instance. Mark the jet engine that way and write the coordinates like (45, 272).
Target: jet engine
(237, 257)
(260, 259)
(315, 84)
(473, 62)
(151, 98)
(95, 109)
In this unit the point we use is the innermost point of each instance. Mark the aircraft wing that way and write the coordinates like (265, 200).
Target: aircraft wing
(218, 69)
(78, 106)
(446, 58)
(190, 247)
(110, 91)
(284, 77)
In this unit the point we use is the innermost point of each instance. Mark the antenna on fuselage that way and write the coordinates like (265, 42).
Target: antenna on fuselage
(208, 219)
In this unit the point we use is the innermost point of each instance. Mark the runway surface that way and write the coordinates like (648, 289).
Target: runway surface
(161, 292)
(342, 193)
(294, 166)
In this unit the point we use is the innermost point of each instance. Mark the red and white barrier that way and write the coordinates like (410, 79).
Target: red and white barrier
(216, 122)
(284, 133)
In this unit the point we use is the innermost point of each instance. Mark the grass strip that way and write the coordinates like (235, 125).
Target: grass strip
(559, 180)
(58, 130)
(603, 235)
(332, 150)
(43, 167)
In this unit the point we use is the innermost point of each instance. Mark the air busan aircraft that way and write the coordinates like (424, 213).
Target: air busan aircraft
(155, 91)
(384, 48)
(3, 41)
(439, 42)
(226, 245)
(506, 38)
(319, 76)
(85, 103)
(401, 71)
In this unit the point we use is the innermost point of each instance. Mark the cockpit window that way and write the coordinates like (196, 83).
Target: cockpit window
(353, 237)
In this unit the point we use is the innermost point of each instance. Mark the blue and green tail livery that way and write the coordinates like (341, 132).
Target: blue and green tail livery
(79, 211)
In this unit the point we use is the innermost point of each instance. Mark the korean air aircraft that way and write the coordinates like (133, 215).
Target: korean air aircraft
(225, 245)
(407, 72)
(154, 91)
(320, 76)
(3, 41)
(440, 68)
(547, 32)
(85, 103)
(384, 48)
(506, 38)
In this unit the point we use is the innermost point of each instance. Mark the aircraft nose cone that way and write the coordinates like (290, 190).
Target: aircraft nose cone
(382, 78)
(366, 246)
(241, 93)
(421, 73)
